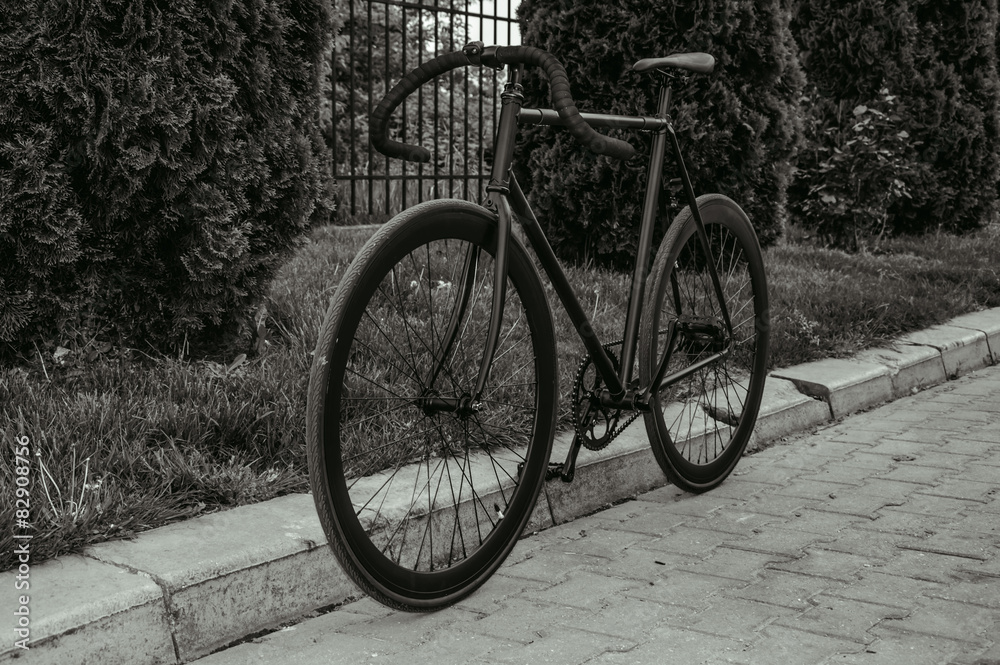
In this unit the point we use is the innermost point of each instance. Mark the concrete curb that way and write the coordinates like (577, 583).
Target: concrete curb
(181, 591)
(845, 385)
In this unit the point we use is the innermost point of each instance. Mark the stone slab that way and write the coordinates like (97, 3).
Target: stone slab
(962, 349)
(784, 410)
(236, 572)
(911, 368)
(986, 322)
(86, 611)
(846, 385)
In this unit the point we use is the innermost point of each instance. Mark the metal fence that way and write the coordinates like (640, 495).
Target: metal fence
(454, 118)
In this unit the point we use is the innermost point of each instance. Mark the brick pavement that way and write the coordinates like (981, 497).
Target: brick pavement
(874, 540)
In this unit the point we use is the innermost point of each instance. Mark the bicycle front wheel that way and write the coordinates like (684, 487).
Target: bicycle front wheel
(423, 489)
(701, 420)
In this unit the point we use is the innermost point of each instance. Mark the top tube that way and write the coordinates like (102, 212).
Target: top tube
(530, 116)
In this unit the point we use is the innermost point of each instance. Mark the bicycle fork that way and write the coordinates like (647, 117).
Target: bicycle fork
(497, 191)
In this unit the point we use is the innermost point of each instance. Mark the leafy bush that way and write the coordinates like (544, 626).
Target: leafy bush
(156, 163)
(938, 58)
(738, 126)
(860, 172)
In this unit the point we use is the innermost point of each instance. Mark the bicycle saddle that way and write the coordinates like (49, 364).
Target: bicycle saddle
(699, 63)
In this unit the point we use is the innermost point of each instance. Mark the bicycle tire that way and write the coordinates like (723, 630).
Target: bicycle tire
(421, 505)
(699, 426)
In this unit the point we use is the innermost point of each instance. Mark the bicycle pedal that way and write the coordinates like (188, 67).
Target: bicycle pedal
(555, 470)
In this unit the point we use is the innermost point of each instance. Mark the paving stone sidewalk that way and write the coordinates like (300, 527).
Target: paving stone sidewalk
(874, 540)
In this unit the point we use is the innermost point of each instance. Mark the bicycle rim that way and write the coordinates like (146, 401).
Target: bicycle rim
(424, 500)
(700, 424)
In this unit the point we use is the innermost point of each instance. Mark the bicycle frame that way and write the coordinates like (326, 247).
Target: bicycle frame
(506, 199)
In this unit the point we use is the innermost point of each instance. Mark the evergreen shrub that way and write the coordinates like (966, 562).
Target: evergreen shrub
(156, 162)
(738, 126)
(937, 59)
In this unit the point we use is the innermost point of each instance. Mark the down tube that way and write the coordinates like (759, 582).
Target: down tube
(550, 264)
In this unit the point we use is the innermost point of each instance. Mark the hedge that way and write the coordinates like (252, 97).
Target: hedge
(157, 161)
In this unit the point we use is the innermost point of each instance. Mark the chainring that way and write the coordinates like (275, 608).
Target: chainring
(595, 424)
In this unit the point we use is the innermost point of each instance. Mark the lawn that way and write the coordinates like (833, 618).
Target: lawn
(122, 442)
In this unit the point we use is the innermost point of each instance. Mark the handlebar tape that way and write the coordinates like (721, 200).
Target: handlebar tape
(562, 100)
(379, 125)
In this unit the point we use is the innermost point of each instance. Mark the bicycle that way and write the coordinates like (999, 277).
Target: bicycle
(433, 393)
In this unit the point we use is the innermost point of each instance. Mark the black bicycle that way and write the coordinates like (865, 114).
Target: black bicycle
(433, 393)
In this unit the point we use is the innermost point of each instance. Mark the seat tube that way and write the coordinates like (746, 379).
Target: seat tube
(498, 190)
(654, 175)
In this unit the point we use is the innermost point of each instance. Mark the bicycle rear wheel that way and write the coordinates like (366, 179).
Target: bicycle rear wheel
(700, 424)
(422, 491)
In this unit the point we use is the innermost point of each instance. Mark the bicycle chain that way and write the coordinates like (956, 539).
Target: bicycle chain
(584, 397)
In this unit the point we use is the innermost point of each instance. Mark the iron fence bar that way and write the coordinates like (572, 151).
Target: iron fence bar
(510, 12)
(370, 62)
(364, 178)
(437, 104)
(465, 116)
(451, 108)
(480, 161)
(386, 183)
(333, 110)
(353, 98)
(420, 103)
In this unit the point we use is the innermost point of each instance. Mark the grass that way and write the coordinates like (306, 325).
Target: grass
(121, 442)
(827, 303)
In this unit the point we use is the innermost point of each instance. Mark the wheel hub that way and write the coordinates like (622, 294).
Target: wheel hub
(432, 403)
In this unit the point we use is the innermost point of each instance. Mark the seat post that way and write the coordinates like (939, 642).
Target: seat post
(666, 95)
